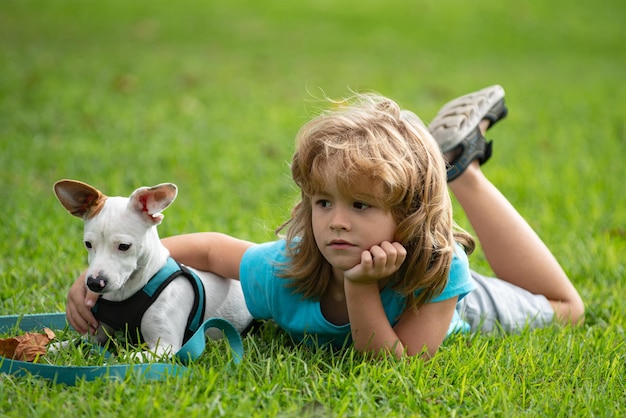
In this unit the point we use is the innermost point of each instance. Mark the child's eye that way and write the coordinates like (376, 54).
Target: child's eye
(360, 205)
(323, 203)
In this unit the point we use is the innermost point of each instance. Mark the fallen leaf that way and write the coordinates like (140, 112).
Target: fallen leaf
(26, 347)
(51, 335)
(8, 346)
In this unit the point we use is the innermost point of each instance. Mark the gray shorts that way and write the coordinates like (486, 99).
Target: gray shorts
(501, 306)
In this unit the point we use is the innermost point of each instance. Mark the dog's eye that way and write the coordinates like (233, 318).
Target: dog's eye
(88, 244)
(124, 247)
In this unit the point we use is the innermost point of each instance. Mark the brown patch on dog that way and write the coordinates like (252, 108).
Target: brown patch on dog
(92, 206)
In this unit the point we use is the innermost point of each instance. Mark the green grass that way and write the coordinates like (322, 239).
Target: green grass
(209, 95)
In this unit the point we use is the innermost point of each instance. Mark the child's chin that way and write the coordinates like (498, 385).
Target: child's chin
(344, 265)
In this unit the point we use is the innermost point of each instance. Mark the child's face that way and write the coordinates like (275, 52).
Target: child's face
(346, 225)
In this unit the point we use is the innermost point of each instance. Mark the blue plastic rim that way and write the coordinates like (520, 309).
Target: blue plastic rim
(70, 375)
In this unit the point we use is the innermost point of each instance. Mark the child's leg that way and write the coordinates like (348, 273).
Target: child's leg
(515, 252)
(512, 248)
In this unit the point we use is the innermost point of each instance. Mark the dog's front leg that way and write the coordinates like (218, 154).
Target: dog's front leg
(163, 325)
(155, 354)
(159, 347)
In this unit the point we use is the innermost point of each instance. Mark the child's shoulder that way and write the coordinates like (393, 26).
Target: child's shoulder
(459, 257)
(273, 251)
(460, 274)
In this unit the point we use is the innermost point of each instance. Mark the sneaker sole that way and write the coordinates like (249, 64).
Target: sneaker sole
(459, 117)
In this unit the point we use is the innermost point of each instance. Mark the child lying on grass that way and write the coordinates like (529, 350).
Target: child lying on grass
(371, 254)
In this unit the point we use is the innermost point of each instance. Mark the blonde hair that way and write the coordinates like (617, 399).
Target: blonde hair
(368, 137)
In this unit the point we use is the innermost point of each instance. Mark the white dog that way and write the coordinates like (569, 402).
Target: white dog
(143, 291)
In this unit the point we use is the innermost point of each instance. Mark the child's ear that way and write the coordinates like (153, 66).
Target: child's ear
(151, 201)
(80, 199)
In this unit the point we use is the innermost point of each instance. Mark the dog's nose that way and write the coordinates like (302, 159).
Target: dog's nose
(96, 284)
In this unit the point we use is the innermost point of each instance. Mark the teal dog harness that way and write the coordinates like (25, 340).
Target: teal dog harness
(126, 315)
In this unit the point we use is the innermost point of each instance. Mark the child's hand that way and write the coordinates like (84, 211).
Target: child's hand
(380, 262)
(78, 309)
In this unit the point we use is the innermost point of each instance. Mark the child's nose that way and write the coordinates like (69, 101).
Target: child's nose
(340, 219)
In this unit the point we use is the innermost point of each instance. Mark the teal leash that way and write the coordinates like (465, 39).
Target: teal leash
(70, 375)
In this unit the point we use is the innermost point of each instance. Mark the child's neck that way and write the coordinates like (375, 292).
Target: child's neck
(333, 300)
(333, 303)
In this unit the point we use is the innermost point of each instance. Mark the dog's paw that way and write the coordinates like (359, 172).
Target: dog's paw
(59, 346)
(149, 356)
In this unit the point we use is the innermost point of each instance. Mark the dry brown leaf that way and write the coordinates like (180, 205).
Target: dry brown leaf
(8, 346)
(26, 347)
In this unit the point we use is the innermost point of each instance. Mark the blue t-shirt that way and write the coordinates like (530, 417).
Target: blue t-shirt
(269, 296)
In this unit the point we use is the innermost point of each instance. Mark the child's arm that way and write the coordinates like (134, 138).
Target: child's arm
(209, 251)
(423, 331)
(415, 332)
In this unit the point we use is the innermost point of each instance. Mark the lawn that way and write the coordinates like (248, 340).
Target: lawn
(209, 95)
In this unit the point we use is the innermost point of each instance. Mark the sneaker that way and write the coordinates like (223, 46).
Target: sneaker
(456, 127)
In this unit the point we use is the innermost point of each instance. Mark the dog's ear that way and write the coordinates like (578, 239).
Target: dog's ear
(80, 199)
(151, 201)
